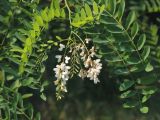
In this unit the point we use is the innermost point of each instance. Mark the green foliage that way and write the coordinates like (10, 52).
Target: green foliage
(17, 45)
(40, 22)
(86, 15)
(153, 5)
(126, 52)
(150, 6)
(128, 47)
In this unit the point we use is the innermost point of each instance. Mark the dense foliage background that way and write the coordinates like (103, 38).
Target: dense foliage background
(126, 37)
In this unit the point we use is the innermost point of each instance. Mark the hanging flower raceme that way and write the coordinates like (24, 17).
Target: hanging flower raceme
(94, 70)
(90, 67)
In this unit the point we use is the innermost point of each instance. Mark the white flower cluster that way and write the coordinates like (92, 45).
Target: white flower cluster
(91, 70)
(62, 70)
(92, 67)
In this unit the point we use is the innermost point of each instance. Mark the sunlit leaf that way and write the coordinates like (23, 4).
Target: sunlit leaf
(126, 84)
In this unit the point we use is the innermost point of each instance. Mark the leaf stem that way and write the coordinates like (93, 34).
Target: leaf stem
(69, 13)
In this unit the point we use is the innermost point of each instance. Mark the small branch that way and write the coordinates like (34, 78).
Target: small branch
(69, 13)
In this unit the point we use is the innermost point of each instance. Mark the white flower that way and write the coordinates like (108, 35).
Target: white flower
(94, 71)
(83, 58)
(78, 46)
(70, 50)
(58, 57)
(98, 64)
(82, 50)
(63, 87)
(82, 73)
(96, 80)
(62, 72)
(88, 40)
(61, 47)
(57, 71)
(87, 62)
(92, 50)
(67, 59)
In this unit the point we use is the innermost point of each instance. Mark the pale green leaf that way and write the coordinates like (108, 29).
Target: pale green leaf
(149, 90)
(57, 12)
(43, 97)
(130, 19)
(44, 15)
(51, 13)
(28, 95)
(149, 68)
(39, 20)
(111, 6)
(63, 14)
(141, 41)
(147, 80)
(83, 14)
(130, 104)
(134, 30)
(145, 98)
(95, 8)
(126, 84)
(144, 109)
(88, 10)
(146, 52)
(36, 27)
(56, 4)
(127, 94)
(121, 10)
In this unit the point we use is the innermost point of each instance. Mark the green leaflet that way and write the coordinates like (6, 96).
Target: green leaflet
(95, 8)
(111, 6)
(51, 13)
(144, 109)
(88, 11)
(28, 95)
(150, 79)
(63, 14)
(130, 19)
(39, 20)
(141, 41)
(128, 94)
(130, 104)
(134, 30)
(57, 13)
(56, 4)
(126, 84)
(16, 85)
(24, 57)
(149, 90)
(146, 52)
(44, 15)
(121, 9)
(149, 67)
(101, 9)
(108, 21)
(145, 98)
(43, 97)
(36, 27)
(83, 14)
